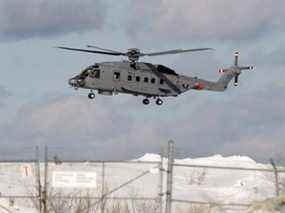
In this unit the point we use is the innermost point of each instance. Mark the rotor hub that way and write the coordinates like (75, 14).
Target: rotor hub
(133, 54)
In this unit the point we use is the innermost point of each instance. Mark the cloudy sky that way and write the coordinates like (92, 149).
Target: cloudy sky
(37, 107)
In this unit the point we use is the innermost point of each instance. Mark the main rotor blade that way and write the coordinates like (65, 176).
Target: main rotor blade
(177, 51)
(104, 49)
(91, 51)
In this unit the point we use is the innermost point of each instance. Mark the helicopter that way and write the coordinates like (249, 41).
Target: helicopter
(146, 79)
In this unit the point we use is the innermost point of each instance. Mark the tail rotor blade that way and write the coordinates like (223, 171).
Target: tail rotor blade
(246, 68)
(236, 58)
(236, 80)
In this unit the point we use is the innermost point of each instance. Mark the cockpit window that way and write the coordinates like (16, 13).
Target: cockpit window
(91, 71)
(84, 73)
(95, 73)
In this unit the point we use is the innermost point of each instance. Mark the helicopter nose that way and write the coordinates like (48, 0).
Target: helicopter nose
(72, 82)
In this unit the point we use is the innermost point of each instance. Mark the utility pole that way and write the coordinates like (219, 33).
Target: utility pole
(161, 170)
(103, 189)
(276, 177)
(38, 179)
(169, 176)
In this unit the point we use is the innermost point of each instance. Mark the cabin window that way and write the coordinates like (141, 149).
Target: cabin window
(161, 81)
(145, 79)
(138, 78)
(117, 76)
(153, 81)
(130, 78)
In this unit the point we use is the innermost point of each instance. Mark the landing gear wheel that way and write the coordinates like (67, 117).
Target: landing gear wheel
(146, 101)
(159, 102)
(91, 95)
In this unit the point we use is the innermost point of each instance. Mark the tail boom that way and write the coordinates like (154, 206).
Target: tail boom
(227, 76)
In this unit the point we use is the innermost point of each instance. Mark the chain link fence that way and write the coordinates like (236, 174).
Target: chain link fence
(52, 185)
(55, 185)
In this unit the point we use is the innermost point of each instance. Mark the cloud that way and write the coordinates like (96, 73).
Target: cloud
(24, 19)
(49, 119)
(75, 123)
(247, 120)
(206, 19)
(241, 124)
(4, 94)
(250, 123)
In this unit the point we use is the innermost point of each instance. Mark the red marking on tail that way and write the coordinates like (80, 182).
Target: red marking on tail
(199, 86)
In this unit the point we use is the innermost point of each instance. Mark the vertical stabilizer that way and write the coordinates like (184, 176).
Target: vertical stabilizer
(232, 72)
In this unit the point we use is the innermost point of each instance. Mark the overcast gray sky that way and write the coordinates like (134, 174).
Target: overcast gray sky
(37, 107)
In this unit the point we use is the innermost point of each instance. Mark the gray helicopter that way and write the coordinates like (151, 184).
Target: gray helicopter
(146, 79)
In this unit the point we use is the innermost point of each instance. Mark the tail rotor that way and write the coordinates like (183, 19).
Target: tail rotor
(236, 69)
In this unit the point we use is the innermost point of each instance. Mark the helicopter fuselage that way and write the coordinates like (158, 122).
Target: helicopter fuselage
(148, 80)
(140, 79)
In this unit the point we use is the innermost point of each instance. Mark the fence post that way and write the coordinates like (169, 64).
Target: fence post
(103, 188)
(276, 176)
(169, 176)
(161, 170)
(38, 179)
(45, 191)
